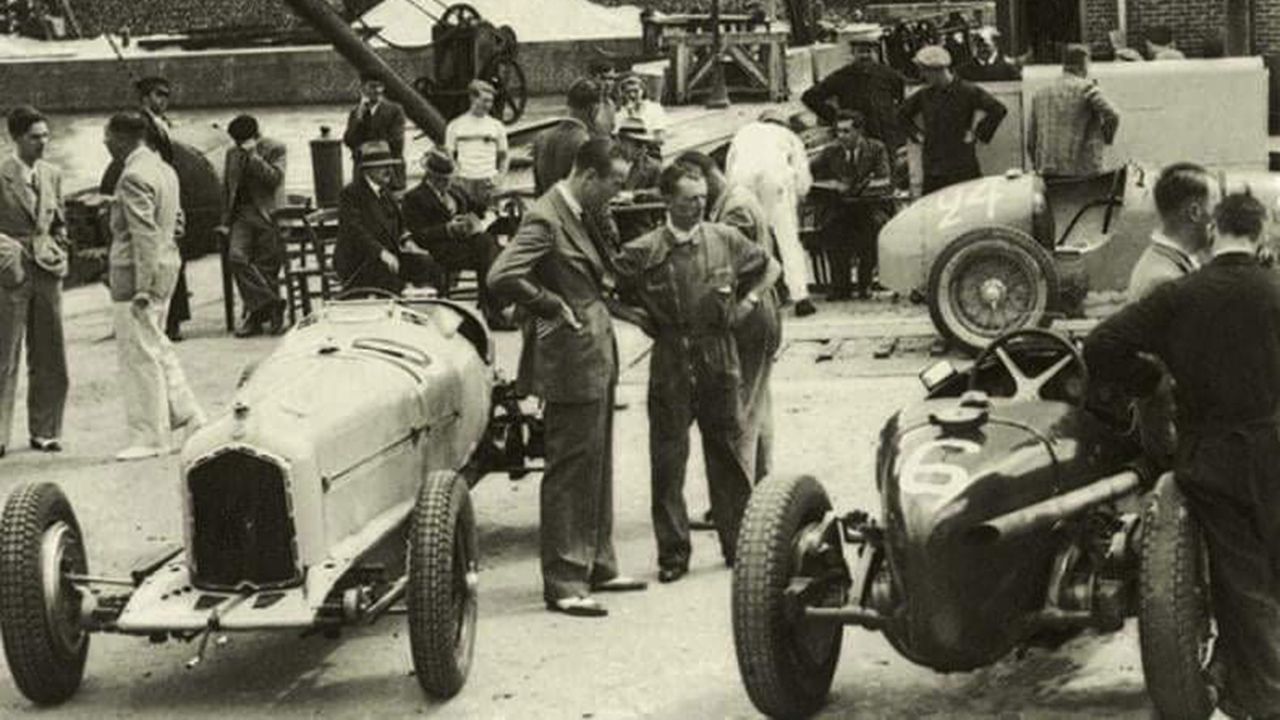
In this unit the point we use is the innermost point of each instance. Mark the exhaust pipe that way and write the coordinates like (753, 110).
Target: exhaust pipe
(1047, 512)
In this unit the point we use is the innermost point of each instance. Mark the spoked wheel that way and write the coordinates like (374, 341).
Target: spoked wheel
(786, 663)
(443, 563)
(507, 78)
(1063, 353)
(44, 642)
(990, 281)
(460, 15)
(1175, 626)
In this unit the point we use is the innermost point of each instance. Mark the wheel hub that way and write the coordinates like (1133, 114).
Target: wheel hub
(993, 292)
(61, 553)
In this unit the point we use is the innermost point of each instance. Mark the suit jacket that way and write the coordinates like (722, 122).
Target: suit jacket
(367, 225)
(144, 217)
(1070, 124)
(553, 152)
(552, 258)
(259, 173)
(868, 160)
(158, 136)
(426, 216)
(738, 207)
(870, 87)
(386, 122)
(23, 214)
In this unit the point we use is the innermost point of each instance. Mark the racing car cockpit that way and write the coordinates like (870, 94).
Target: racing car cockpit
(1077, 211)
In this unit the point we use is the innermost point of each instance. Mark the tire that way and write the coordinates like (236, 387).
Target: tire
(1173, 606)
(1026, 285)
(39, 612)
(507, 77)
(442, 588)
(784, 677)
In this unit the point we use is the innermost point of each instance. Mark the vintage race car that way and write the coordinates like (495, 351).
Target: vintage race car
(1015, 511)
(1005, 252)
(350, 447)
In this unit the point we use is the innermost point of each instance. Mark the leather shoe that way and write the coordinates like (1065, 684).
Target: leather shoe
(805, 307)
(249, 328)
(672, 573)
(578, 607)
(49, 445)
(277, 322)
(622, 583)
(1, 451)
(139, 452)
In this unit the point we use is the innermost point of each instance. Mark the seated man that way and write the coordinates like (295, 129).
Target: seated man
(368, 254)
(442, 221)
(850, 222)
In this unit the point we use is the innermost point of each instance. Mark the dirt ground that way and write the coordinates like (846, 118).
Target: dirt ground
(663, 653)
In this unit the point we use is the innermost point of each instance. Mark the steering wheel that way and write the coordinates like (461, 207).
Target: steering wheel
(357, 293)
(1027, 387)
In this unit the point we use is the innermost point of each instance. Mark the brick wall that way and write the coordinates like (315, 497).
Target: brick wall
(1192, 21)
(1266, 27)
(1100, 18)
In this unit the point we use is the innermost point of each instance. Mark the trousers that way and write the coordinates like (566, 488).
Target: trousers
(576, 498)
(681, 393)
(782, 212)
(1232, 485)
(33, 310)
(758, 339)
(255, 256)
(156, 395)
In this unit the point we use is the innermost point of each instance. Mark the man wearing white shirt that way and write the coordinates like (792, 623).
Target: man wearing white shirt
(771, 161)
(477, 142)
(635, 106)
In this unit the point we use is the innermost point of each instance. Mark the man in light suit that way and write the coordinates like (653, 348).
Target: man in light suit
(31, 217)
(144, 270)
(154, 94)
(376, 118)
(561, 277)
(253, 185)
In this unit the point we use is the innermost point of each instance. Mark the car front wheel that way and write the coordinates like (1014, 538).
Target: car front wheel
(44, 642)
(443, 565)
(786, 662)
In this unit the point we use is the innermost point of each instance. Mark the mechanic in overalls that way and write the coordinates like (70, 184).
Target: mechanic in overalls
(1218, 332)
(697, 281)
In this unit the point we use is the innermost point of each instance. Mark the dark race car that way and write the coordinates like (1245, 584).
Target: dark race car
(1016, 510)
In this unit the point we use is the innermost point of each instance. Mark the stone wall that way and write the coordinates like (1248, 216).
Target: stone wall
(255, 78)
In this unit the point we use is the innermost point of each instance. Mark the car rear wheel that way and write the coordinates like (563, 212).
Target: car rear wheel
(443, 562)
(786, 663)
(1174, 626)
(44, 642)
(990, 281)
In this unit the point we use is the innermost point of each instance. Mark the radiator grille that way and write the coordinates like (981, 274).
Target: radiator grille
(242, 530)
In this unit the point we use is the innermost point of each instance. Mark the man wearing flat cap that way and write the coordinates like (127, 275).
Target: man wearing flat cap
(444, 220)
(368, 253)
(949, 108)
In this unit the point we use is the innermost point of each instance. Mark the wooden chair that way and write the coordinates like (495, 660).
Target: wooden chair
(308, 237)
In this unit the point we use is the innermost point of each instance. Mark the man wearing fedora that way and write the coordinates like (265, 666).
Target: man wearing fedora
(33, 263)
(949, 107)
(368, 253)
(444, 220)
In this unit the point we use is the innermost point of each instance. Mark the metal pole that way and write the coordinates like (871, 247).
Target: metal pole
(319, 15)
(719, 97)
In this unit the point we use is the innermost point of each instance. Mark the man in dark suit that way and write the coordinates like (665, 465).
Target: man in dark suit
(153, 96)
(368, 253)
(555, 149)
(253, 183)
(376, 118)
(442, 220)
(1218, 332)
(850, 217)
(561, 276)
